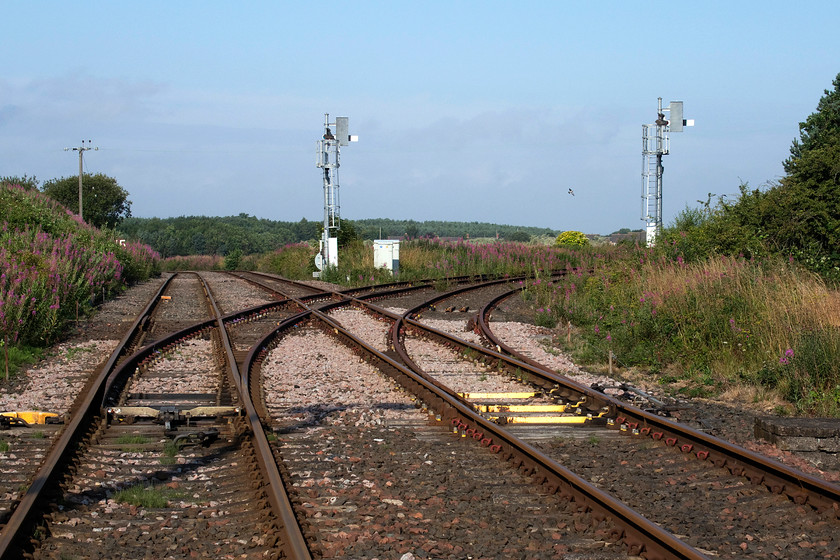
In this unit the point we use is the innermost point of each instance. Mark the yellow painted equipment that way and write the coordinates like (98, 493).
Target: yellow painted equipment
(498, 395)
(31, 416)
(579, 419)
(524, 407)
(539, 419)
(537, 413)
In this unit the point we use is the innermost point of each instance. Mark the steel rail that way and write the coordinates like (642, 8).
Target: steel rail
(777, 477)
(390, 289)
(639, 534)
(61, 452)
(112, 380)
(293, 541)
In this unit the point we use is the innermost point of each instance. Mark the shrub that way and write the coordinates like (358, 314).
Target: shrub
(292, 261)
(52, 266)
(571, 239)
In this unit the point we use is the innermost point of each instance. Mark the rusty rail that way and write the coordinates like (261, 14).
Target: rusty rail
(639, 534)
(65, 446)
(777, 477)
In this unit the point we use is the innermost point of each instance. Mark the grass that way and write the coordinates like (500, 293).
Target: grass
(19, 358)
(38, 435)
(76, 350)
(170, 451)
(141, 495)
(130, 443)
(4, 446)
(708, 326)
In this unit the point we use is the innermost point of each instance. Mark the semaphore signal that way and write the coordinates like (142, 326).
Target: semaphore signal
(329, 160)
(656, 143)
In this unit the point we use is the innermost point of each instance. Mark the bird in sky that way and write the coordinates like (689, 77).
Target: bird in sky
(571, 192)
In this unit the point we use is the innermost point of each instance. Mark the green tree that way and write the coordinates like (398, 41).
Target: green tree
(233, 259)
(411, 229)
(519, 236)
(798, 215)
(810, 192)
(105, 203)
(819, 130)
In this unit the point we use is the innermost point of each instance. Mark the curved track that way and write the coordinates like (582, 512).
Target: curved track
(88, 440)
(359, 426)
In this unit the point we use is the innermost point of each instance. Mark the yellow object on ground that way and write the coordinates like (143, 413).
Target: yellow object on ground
(498, 395)
(522, 407)
(540, 419)
(31, 416)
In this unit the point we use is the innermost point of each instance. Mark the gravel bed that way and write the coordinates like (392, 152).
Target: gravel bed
(208, 509)
(454, 327)
(233, 294)
(363, 325)
(53, 384)
(118, 314)
(186, 305)
(457, 373)
(704, 505)
(378, 479)
(302, 369)
(189, 368)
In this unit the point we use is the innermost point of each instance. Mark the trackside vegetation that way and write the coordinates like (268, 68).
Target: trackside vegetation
(54, 267)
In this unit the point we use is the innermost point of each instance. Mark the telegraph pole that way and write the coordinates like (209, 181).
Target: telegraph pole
(81, 149)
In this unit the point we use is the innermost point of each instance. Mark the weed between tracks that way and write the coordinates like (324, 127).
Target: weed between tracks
(133, 439)
(75, 350)
(147, 496)
(170, 451)
(130, 443)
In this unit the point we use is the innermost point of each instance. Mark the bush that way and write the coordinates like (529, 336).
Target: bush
(293, 261)
(52, 265)
(571, 239)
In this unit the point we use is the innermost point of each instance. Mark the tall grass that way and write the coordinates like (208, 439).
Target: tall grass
(424, 259)
(721, 321)
(53, 267)
(294, 261)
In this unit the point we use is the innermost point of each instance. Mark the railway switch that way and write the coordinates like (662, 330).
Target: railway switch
(169, 416)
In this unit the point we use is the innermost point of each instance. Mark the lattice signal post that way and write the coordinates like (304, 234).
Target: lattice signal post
(329, 160)
(656, 143)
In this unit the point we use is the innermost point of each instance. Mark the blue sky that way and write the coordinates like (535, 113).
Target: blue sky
(467, 111)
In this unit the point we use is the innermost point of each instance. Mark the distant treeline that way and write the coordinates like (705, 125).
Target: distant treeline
(204, 235)
(370, 229)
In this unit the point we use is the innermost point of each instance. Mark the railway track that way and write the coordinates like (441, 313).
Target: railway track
(344, 446)
(162, 460)
(739, 496)
(383, 456)
(672, 474)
